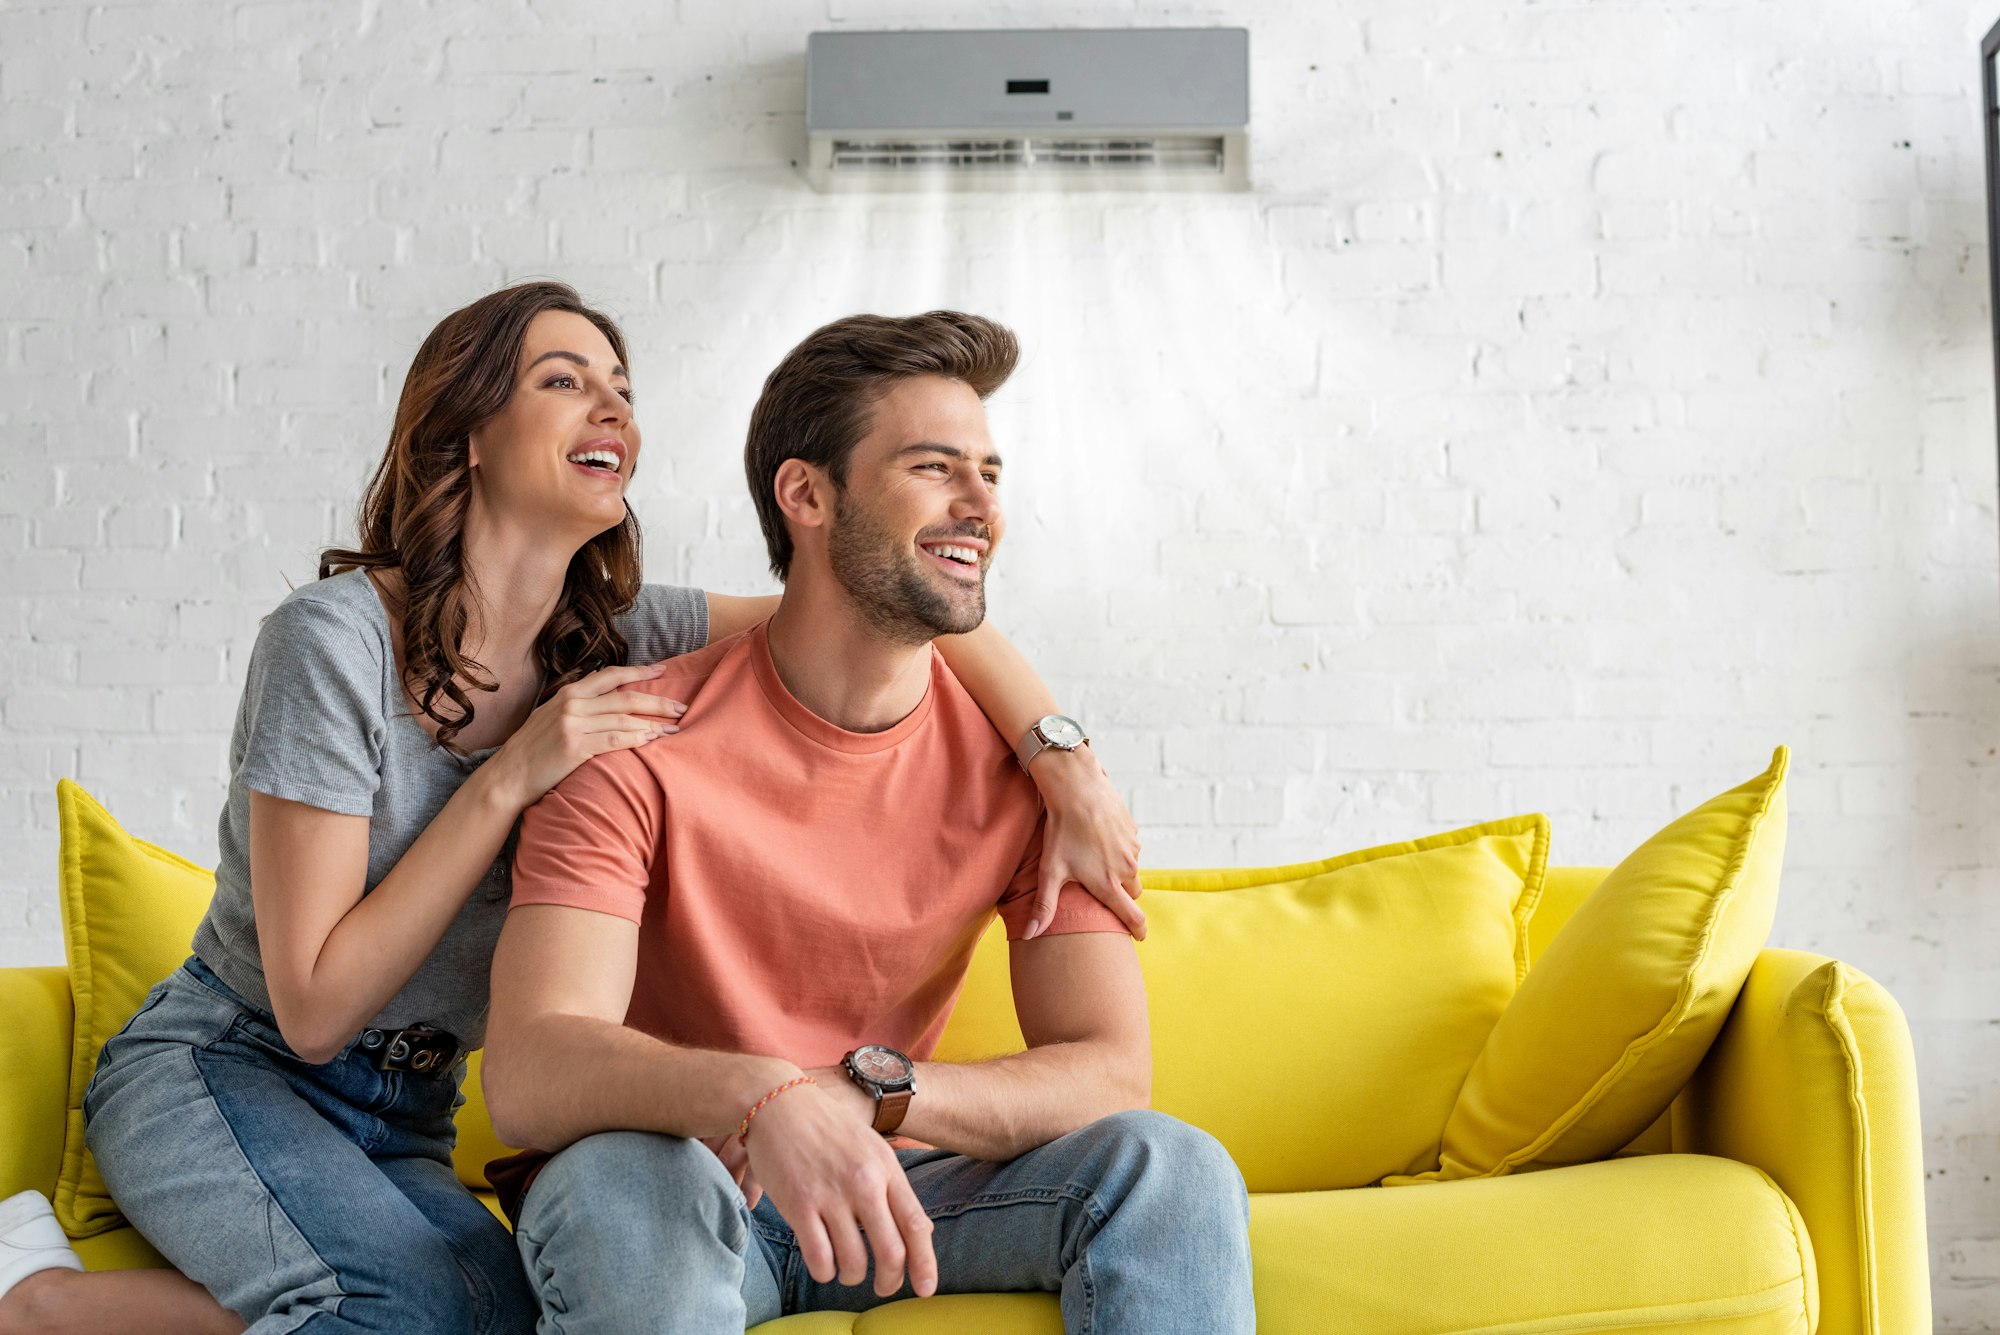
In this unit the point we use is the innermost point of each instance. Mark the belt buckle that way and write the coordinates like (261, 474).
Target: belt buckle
(419, 1049)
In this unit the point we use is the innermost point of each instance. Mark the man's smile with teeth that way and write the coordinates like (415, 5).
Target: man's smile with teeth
(952, 552)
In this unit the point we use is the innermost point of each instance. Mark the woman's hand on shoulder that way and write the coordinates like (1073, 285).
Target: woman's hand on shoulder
(586, 718)
(1090, 838)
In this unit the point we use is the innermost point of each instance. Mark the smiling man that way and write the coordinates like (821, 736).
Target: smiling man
(729, 959)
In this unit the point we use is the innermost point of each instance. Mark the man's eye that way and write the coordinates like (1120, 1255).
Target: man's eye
(992, 479)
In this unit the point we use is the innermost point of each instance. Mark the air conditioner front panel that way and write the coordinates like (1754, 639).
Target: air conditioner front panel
(1196, 77)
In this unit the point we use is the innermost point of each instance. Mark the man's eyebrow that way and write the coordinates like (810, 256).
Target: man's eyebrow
(576, 357)
(934, 447)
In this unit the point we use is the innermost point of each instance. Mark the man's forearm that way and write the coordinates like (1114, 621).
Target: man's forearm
(1001, 1109)
(554, 1079)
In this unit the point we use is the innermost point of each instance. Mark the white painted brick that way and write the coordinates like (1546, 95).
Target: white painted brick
(167, 665)
(75, 710)
(1171, 802)
(1249, 802)
(1320, 698)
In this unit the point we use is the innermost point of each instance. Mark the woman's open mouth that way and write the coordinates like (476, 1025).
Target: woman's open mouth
(599, 461)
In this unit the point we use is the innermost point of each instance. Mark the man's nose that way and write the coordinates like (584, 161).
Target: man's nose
(976, 501)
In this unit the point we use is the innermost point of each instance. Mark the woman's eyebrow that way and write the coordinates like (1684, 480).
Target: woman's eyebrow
(576, 357)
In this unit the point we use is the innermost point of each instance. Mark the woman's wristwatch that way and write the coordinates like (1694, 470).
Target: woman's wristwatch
(887, 1076)
(1052, 732)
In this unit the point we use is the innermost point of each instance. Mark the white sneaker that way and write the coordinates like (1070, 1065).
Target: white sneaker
(31, 1240)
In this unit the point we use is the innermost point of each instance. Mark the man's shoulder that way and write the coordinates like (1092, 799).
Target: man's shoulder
(687, 677)
(973, 735)
(702, 681)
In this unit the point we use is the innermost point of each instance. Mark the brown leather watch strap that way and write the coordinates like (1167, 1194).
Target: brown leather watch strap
(889, 1110)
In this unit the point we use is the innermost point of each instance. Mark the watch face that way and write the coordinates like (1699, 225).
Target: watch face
(1061, 731)
(884, 1066)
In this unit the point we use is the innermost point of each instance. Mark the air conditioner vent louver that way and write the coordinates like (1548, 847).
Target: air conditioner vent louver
(1183, 153)
(1028, 109)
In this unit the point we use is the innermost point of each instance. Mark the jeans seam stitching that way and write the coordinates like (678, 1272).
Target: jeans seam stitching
(1035, 1195)
(332, 1274)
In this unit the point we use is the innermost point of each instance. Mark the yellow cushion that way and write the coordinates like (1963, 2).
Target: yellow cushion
(1619, 1012)
(477, 1145)
(1317, 1019)
(129, 912)
(1675, 1242)
(1667, 1242)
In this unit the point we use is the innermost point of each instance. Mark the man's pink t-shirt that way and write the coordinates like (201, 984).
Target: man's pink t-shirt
(799, 889)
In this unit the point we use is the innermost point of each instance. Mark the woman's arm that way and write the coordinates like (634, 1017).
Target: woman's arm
(728, 614)
(333, 956)
(1090, 837)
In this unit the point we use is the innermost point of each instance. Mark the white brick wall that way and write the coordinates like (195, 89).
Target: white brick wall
(1588, 397)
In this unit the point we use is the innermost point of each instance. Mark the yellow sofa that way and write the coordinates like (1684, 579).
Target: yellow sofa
(1782, 1192)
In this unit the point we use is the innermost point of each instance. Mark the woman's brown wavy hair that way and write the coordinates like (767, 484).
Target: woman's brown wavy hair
(413, 513)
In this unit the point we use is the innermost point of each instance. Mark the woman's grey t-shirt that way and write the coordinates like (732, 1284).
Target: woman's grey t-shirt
(323, 721)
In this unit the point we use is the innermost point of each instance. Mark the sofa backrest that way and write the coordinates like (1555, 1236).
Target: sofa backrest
(1564, 888)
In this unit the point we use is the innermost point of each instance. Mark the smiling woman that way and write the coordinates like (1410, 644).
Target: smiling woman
(399, 714)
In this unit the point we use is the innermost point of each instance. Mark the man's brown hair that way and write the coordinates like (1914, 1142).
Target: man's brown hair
(817, 404)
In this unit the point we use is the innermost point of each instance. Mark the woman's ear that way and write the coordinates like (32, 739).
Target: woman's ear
(472, 450)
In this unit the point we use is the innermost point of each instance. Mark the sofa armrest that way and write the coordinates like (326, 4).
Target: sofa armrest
(1813, 1080)
(34, 1076)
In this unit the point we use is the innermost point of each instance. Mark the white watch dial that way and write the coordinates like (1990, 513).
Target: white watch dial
(1061, 731)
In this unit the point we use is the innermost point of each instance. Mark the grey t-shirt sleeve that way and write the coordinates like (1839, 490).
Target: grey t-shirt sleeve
(312, 710)
(665, 622)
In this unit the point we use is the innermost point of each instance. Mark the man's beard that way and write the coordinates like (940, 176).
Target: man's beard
(888, 585)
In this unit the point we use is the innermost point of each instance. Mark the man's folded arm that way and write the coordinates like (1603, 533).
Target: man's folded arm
(561, 1064)
(1082, 1006)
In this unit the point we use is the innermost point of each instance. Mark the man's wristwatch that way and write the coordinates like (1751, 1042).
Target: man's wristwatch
(888, 1076)
(1052, 732)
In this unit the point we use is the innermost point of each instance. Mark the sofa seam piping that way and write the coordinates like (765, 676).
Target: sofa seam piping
(1843, 1035)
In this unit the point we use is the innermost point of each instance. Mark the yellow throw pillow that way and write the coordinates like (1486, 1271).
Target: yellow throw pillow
(129, 911)
(1619, 1012)
(1317, 1019)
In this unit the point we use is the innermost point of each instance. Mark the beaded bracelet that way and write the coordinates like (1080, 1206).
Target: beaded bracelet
(743, 1131)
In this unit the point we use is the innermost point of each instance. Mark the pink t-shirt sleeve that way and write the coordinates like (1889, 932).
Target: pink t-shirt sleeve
(590, 842)
(1077, 910)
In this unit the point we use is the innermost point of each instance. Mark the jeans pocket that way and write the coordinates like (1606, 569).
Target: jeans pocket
(263, 1037)
(114, 1044)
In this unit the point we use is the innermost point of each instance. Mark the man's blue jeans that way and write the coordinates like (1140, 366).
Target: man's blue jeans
(1139, 1221)
(305, 1198)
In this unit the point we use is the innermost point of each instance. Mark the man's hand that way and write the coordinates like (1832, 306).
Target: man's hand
(834, 1180)
(832, 1079)
(737, 1160)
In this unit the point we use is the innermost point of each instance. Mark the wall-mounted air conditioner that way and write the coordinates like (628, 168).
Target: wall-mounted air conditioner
(1095, 109)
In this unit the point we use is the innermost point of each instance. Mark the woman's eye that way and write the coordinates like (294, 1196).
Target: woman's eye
(992, 479)
(628, 395)
(566, 381)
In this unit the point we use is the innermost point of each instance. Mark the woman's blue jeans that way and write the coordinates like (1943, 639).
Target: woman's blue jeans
(1138, 1221)
(305, 1198)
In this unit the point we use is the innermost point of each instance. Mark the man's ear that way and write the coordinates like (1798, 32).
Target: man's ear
(804, 494)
